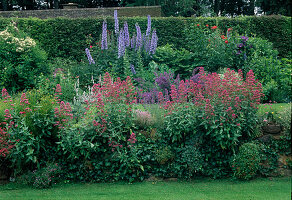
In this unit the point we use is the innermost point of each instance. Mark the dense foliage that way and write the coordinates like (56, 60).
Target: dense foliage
(98, 138)
(134, 110)
(67, 37)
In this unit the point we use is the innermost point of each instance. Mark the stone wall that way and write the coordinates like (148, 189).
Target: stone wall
(153, 11)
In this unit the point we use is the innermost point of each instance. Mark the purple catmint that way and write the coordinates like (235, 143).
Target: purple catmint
(240, 45)
(132, 69)
(138, 37)
(163, 81)
(195, 76)
(89, 57)
(245, 38)
(177, 80)
(127, 36)
(121, 47)
(116, 21)
(104, 36)
(166, 96)
(153, 44)
(148, 26)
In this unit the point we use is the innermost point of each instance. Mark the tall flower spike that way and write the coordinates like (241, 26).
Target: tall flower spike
(121, 47)
(148, 26)
(133, 42)
(104, 36)
(89, 57)
(153, 44)
(127, 36)
(147, 44)
(116, 22)
(138, 37)
(133, 69)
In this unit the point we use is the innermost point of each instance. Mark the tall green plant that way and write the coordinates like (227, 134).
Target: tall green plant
(21, 60)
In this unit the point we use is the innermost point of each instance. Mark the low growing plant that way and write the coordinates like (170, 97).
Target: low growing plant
(246, 163)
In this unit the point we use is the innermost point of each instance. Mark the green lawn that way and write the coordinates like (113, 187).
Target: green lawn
(275, 189)
(276, 107)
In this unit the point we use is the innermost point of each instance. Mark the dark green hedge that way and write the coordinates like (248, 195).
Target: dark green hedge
(62, 37)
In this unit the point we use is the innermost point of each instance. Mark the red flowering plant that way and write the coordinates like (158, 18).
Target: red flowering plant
(16, 142)
(26, 119)
(218, 109)
(101, 126)
(5, 143)
(180, 117)
(229, 106)
(225, 107)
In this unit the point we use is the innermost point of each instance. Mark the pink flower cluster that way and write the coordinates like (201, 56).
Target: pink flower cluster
(63, 113)
(143, 117)
(25, 104)
(6, 96)
(5, 144)
(114, 145)
(118, 91)
(214, 93)
(58, 92)
(132, 138)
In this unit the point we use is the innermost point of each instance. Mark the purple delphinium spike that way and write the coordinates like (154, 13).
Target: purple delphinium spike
(127, 36)
(138, 37)
(89, 57)
(133, 42)
(121, 47)
(116, 22)
(132, 69)
(143, 39)
(153, 44)
(148, 26)
(104, 36)
(147, 45)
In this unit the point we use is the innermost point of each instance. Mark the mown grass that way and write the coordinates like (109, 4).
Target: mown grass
(276, 108)
(266, 189)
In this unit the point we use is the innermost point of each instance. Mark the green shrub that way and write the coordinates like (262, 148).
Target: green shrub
(269, 160)
(246, 162)
(29, 120)
(180, 124)
(283, 145)
(275, 77)
(192, 159)
(180, 61)
(21, 60)
(41, 178)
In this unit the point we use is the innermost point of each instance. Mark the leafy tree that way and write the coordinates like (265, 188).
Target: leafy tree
(270, 7)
